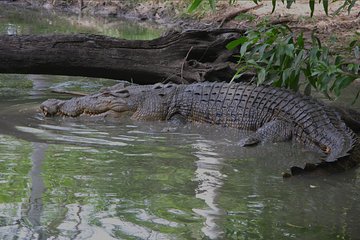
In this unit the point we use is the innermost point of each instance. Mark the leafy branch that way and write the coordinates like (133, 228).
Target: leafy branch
(282, 59)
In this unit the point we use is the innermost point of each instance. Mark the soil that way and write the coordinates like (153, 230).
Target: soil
(337, 31)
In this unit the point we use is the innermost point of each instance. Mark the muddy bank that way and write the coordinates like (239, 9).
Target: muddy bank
(169, 14)
(334, 30)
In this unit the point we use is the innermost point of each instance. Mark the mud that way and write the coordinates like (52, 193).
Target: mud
(336, 31)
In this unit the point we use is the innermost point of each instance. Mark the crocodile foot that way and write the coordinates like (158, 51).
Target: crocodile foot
(249, 141)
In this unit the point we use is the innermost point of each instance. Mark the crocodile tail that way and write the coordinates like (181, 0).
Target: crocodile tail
(345, 142)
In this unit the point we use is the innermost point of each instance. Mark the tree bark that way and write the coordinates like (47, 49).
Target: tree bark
(184, 57)
(190, 56)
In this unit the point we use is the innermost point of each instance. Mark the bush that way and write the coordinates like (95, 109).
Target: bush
(280, 58)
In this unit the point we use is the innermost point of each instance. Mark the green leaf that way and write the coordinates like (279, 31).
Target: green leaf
(338, 60)
(261, 76)
(315, 40)
(341, 83)
(312, 7)
(289, 50)
(277, 83)
(239, 73)
(252, 62)
(337, 11)
(289, 3)
(271, 60)
(346, 81)
(352, 3)
(262, 50)
(273, 2)
(194, 5)
(299, 58)
(245, 17)
(285, 75)
(352, 44)
(300, 41)
(307, 90)
(326, 6)
(212, 4)
(243, 48)
(356, 68)
(233, 44)
(356, 97)
(350, 67)
(324, 81)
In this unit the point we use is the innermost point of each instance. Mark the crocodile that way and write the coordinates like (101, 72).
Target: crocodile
(274, 114)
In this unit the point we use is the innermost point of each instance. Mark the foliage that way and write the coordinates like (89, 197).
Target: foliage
(282, 59)
(348, 5)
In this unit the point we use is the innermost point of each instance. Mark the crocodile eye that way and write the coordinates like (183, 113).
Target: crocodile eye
(122, 93)
(158, 86)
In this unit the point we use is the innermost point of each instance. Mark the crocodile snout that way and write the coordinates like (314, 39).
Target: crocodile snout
(50, 107)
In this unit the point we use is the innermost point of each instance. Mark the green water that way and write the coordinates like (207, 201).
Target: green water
(17, 20)
(92, 179)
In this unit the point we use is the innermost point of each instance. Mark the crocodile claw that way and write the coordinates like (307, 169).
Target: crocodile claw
(249, 141)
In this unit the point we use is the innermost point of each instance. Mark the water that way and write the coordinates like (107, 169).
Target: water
(91, 179)
(16, 20)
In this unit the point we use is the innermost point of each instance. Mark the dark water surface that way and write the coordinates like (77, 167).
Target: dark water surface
(91, 179)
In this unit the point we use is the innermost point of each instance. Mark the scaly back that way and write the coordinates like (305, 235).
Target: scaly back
(247, 106)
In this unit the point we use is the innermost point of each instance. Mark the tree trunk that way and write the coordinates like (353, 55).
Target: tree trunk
(179, 57)
(191, 56)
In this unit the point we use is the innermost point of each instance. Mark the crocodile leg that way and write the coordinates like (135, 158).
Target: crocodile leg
(275, 131)
(175, 121)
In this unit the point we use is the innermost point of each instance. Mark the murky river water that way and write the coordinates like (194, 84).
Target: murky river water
(90, 179)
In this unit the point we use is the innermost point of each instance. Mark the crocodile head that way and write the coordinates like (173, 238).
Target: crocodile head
(147, 101)
(108, 101)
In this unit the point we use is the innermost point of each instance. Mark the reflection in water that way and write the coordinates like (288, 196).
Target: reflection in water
(73, 137)
(85, 185)
(16, 20)
(210, 180)
(35, 210)
(11, 29)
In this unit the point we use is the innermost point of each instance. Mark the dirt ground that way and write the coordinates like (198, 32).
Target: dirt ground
(336, 31)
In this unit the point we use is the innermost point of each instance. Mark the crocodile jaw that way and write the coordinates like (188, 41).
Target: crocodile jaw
(83, 106)
(51, 107)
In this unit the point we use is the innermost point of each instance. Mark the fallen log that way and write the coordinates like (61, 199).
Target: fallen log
(184, 57)
(190, 56)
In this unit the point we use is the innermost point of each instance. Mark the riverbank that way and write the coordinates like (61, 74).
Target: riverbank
(168, 14)
(335, 30)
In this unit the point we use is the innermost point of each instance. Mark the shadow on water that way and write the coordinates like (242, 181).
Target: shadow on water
(35, 208)
(93, 179)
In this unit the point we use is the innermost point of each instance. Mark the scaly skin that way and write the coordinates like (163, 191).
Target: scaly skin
(275, 114)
